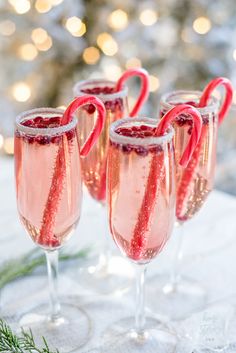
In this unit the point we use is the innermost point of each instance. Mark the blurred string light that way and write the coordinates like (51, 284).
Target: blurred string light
(7, 28)
(107, 44)
(133, 62)
(234, 54)
(20, 6)
(41, 39)
(154, 83)
(112, 72)
(62, 107)
(8, 145)
(43, 6)
(56, 2)
(27, 52)
(91, 55)
(234, 97)
(21, 91)
(202, 25)
(75, 26)
(1, 141)
(148, 17)
(118, 20)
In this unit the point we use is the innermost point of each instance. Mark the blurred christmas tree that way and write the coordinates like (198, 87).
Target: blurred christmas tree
(47, 45)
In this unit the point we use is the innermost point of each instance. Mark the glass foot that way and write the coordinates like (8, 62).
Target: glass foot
(106, 277)
(156, 338)
(175, 301)
(67, 333)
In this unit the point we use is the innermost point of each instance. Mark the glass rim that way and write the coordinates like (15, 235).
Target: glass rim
(96, 81)
(138, 141)
(57, 130)
(211, 107)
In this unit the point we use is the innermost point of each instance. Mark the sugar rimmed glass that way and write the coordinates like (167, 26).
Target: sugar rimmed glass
(49, 195)
(180, 295)
(140, 177)
(104, 273)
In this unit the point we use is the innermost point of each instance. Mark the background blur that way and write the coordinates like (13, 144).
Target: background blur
(48, 45)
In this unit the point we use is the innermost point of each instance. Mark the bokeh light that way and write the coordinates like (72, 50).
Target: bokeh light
(234, 54)
(91, 55)
(73, 24)
(112, 72)
(43, 6)
(20, 6)
(148, 17)
(46, 45)
(27, 52)
(202, 25)
(39, 35)
(7, 28)
(8, 145)
(154, 83)
(107, 44)
(133, 62)
(21, 91)
(118, 20)
(56, 2)
(1, 141)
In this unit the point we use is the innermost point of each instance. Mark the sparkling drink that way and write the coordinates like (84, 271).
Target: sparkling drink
(196, 181)
(38, 156)
(141, 189)
(94, 166)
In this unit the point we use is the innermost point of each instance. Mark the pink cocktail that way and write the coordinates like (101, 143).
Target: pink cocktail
(196, 181)
(100, 275)
(128, 160)
(141, 198)
(35, 156)
(49, 194)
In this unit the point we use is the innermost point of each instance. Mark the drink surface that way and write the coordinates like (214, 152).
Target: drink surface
(196, 181)
(141, 194)
(35, 164)
(94, 165)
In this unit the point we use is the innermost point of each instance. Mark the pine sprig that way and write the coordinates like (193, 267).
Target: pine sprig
(25, 343)
(26, 264)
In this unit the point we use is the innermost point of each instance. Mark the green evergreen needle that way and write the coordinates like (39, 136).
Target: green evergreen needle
(26, 264)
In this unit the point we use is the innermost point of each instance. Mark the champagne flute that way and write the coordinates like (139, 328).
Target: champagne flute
(106, 273)
(49, 195)
(181, 295)
(141, 209)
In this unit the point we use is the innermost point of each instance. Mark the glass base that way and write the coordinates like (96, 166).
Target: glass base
(175, 301)
(107, 277)
(67, 333)
(156, 338)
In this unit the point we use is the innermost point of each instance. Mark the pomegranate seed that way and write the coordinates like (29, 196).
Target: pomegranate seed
(205, 120)
(43, 140)
(91, 109)
(141, 151)
(70, 134)
(28, 123)
(38, 120)
(126, 148)
(29, 139)
(56, 139)
(156, 149)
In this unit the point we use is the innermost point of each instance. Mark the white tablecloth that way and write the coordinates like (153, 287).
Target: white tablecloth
(209, 256)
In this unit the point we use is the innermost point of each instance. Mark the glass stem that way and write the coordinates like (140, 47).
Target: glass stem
(105, 256)
(52, 266)
(140, 299)
(176, 269)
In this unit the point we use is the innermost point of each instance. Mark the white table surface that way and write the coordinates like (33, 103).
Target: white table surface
(209, 256)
